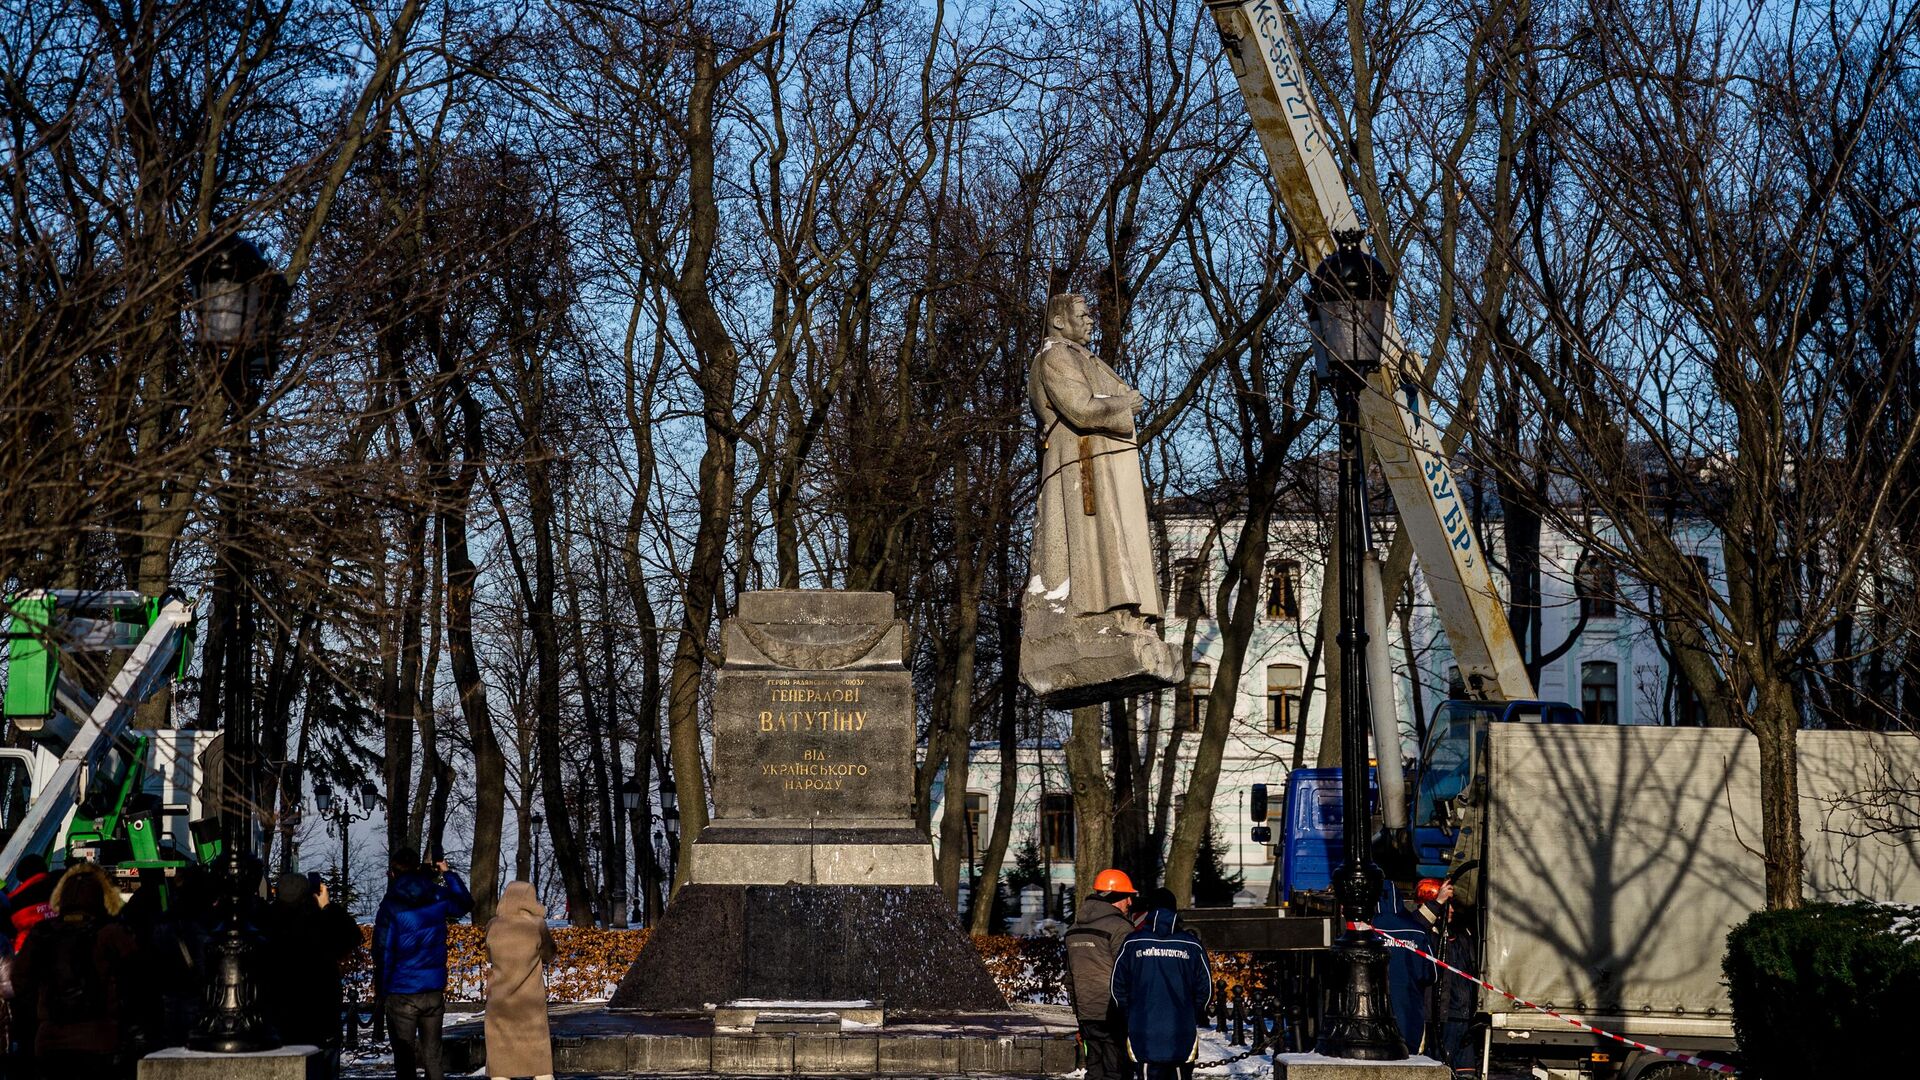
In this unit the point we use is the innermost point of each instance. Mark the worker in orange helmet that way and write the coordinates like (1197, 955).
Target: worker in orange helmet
(1100, 925)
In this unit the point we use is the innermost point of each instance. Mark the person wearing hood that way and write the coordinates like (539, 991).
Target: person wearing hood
(519, 947)
(410, 959)
(1100, 924)
(1162, 984)
(76, 968)
(307, 940)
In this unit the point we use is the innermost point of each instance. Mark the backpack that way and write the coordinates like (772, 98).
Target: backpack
(74, 989)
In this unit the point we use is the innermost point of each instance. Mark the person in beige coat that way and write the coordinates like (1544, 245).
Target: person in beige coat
(518, 947)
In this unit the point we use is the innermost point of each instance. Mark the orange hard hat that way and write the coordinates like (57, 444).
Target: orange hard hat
(1112, 881)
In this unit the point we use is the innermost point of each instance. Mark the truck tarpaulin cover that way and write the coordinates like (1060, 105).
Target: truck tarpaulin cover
(1618, 858)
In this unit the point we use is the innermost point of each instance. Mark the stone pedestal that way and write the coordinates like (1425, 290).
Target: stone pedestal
(812, 882)
(285, 1063)
(1316, 1067)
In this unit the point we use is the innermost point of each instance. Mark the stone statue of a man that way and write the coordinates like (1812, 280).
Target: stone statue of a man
(1092, 596)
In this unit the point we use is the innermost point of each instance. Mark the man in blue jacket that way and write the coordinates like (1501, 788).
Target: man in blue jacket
(1162, 982)
(410, 958)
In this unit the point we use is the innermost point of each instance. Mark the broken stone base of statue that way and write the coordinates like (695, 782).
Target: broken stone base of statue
(284, 1063)
(1074, 660)
(1029, 1040)
(1318, 1067)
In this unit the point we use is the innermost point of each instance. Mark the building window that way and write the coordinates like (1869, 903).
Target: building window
(1283, 697)
(1600, 691)
(1190, 575)
(1192, 700)
(1597, 586)
(1056, 828)
(1283, 590)
(1688, 709)
(976, 813)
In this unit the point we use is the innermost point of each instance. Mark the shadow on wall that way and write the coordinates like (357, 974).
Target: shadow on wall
(1620, 857)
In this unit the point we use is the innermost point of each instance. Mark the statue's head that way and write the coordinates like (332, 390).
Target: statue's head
(1067, 318)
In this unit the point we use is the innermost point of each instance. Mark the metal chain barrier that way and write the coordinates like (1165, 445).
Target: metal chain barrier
(1259, 1047)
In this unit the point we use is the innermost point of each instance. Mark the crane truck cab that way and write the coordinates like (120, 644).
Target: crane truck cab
(1451, 783)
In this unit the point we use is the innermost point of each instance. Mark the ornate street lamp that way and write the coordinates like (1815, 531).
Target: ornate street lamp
(670, 819)
(537, 820)
(631, 796)
(1347, 313)
(239, 304)
(343, 814)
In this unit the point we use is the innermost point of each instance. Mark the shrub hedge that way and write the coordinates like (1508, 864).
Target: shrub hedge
(1825, 990)
(590, 962)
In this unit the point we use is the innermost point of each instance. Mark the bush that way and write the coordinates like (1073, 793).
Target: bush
(589, 963)
(1824, 990)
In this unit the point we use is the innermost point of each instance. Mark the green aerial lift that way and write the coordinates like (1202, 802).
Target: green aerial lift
(88, 786)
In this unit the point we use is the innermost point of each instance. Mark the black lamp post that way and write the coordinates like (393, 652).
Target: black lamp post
(240, 301)
(631, 795)
(341, 812)
(1347, 312)
(538, 820)
(670, 819)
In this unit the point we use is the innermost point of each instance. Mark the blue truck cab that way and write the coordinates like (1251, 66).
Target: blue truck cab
(1310, 841)
(1448, 778)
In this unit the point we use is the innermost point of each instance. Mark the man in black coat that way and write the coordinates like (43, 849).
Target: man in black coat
(1163, 983)
(307, 940)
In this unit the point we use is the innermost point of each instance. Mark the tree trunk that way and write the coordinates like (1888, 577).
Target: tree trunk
(1776, 726)
(1328, 754)
(1003, 808)
(567, 853)
(1092, 799)
(1242, 584)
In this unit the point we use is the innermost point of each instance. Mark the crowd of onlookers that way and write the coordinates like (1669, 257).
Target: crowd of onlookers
(90, 982)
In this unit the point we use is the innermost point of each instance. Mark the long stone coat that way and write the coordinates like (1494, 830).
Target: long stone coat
(519, 946)
(1091, 548)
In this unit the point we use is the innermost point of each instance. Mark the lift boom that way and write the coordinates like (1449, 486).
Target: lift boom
(1394, 413)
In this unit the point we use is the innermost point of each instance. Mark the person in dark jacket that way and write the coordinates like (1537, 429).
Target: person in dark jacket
(1450, 922)
(1162, 983)
(307, 940)
(177, 956)
(1410, 976)
(24, 905)
(76, 967)
(410, 959)
(1100, 924)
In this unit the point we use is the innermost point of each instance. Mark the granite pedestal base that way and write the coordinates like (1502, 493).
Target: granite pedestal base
(1030, 1040)
(898, 946)
(1316, 1067)
(285, 1063)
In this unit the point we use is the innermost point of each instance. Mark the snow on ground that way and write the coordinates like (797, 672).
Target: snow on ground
(1906, 922)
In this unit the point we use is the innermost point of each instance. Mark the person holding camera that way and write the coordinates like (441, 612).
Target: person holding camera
(410, 958)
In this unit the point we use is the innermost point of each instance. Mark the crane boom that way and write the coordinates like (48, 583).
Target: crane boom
(1394, 411)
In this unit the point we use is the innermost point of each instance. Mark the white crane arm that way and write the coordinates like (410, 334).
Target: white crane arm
(1394, 411)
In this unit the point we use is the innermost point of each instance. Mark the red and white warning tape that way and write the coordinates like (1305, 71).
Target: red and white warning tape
(1699, 1063)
